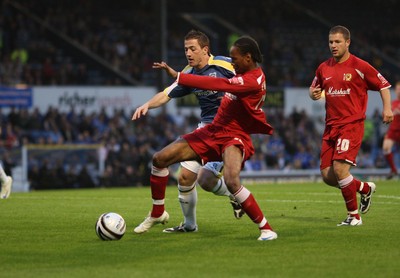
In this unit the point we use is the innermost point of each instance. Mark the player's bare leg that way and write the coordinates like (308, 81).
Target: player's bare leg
(210, 178)
(232, 166)
(387, 152)
(173, 153)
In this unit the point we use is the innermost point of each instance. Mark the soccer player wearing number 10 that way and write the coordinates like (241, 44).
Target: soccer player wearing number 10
(345, 79)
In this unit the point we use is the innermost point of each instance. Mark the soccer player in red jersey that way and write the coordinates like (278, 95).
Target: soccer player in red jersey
(200, 62)
(393, 134)
(344, 81)
(227, 138)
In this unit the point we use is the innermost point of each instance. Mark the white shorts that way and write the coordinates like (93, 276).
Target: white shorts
(194, 166)
(215, 167)
(191, 165)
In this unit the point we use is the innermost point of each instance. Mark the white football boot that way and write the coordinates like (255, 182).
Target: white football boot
(267, 235)
(351, 221)
(151, 221)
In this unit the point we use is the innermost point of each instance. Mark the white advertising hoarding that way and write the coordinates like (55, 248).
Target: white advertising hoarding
(128, 98)
(91, 99)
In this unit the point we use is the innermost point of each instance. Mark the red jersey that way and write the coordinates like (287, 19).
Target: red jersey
(241, 107)
(395, 125)
(346, 85)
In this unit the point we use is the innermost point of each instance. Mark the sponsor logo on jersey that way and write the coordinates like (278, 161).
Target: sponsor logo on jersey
(205, 93)
(338, 92)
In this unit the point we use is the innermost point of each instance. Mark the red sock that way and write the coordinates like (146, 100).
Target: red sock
(357, 184)
(365, 188)
(252, 209)
(349, 193)
(266, 227)
(158, 188)
(389, 159)
(250, 206)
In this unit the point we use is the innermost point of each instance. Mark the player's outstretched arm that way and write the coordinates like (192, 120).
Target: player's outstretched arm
(158, 100)
(162, 65)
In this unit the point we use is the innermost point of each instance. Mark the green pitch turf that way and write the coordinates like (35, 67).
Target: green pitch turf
(51, 234)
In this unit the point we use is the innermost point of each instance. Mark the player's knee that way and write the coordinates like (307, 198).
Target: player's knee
(158, 160)
(185, 180)
(206, 180)
(331, 181)
(232, 183)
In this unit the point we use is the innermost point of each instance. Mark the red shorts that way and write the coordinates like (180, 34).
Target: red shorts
(210, 142)
(393, 135)
(341, 143)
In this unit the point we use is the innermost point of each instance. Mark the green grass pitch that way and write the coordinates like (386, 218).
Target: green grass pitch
(51, 234)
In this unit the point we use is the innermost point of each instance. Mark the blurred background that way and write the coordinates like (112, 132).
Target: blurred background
(72, 73)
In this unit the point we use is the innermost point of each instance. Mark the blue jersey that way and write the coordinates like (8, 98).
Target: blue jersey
(209, 101)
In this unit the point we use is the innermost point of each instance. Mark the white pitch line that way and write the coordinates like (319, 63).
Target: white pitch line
(322, 201)
(325, 194)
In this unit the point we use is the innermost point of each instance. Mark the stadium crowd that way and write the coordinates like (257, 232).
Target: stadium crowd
(128, 148)
(126, 36)
(39, 47)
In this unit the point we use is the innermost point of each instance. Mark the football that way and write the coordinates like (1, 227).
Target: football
(110, 226)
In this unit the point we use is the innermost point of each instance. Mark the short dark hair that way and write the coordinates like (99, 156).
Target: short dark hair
(200, 37)
(247, 44)
(342, 30)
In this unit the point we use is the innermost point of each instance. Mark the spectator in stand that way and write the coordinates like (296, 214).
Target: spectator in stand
(255, 163)
(107, 177)
(84, 179)
(11, 136)
(303, 159)
(271, 148)
(48, 72)
(392, 136)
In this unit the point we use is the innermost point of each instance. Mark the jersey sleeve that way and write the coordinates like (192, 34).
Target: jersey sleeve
(317, 78)
(375, 81)
(176, 91)
(236, 84)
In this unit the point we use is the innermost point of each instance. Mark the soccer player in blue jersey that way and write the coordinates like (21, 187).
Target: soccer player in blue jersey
(200, 62)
